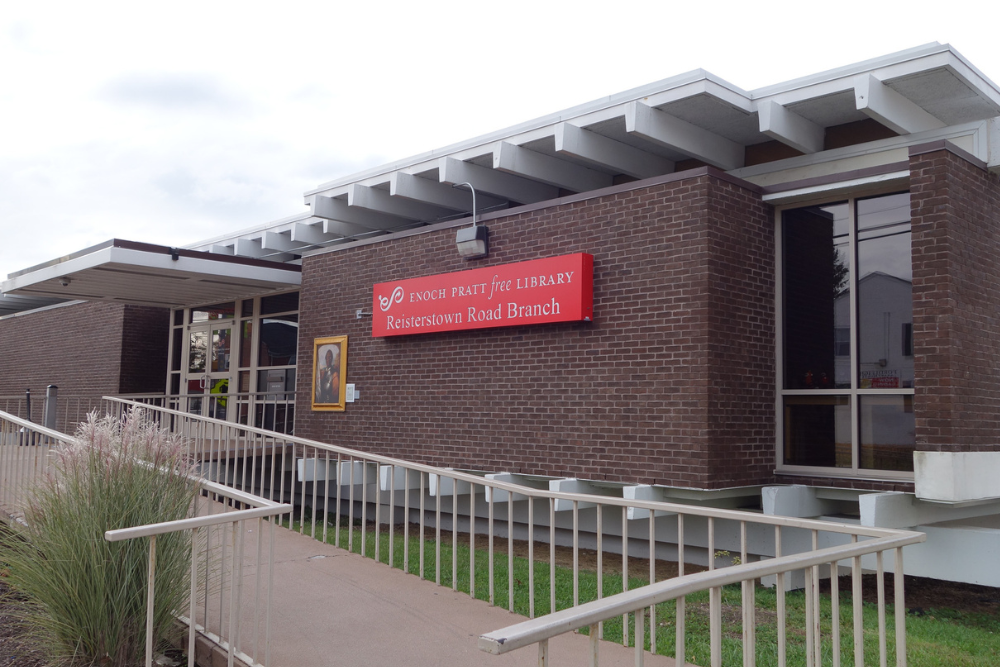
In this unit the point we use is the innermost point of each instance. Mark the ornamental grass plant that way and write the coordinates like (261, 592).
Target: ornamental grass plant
(87, 596)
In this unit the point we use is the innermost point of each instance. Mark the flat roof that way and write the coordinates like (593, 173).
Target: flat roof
(660, 128)
(151, 275)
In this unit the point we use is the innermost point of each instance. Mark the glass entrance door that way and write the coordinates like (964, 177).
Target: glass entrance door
(209, 374)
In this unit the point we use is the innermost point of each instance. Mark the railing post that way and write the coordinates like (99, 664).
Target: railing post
(880, 579)
(594, 651)
(192, 609)
(679, 653)
(715, 624)
(150, 588)
(640, 635)
(900, 610)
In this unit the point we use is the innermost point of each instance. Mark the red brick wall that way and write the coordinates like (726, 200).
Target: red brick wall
(145, 338)
(86, 349)
(673, 382)
(77, 348)
(956, 302)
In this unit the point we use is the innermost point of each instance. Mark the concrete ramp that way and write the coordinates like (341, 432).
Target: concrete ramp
(332, 607)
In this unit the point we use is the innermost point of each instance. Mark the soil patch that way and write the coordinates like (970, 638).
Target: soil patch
(17, 645)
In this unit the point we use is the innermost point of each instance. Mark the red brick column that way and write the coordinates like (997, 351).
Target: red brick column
(955, 206)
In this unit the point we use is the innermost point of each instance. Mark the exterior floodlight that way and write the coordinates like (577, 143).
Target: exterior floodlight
(473, 242)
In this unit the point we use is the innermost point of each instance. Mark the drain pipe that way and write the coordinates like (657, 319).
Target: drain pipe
(27, 402)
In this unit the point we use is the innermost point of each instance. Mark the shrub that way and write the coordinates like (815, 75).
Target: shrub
(88, 595)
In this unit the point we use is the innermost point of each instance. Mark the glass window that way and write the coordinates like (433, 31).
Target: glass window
(175, 349)
(220, 349)
(278, 340)
(276, 381)
(847, 328)
(887, 432)
(219, 311)
(246, 343)
(885, 292)
(816, 296)
(817, 431)
(279, 303)
(198, 352)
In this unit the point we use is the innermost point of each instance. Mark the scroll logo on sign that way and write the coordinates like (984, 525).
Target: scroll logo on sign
(555, 289)
(385, 303)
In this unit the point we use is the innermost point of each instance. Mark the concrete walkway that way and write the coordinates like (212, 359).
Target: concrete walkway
(332, 607)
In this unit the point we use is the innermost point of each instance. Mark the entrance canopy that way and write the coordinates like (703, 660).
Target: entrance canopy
(151, 275)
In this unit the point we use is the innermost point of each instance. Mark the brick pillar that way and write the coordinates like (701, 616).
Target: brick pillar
(955, 208)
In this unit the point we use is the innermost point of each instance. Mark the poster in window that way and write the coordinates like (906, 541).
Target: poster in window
(329, 386)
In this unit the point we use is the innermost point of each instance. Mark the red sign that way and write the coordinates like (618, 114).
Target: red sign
(556, 289)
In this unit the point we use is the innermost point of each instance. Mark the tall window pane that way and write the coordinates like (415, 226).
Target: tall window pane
(816, 280)
(885, 293)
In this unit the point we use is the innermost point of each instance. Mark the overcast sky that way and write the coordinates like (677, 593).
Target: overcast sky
(175, 122)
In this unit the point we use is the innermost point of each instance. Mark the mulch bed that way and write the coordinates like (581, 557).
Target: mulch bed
(17, 647)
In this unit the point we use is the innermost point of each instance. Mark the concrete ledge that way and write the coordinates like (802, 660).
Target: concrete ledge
(956, 477)
(206, 652)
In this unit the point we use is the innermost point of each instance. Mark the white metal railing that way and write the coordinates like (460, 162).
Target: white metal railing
(218, 610)
(24, 459)
(70, 409)
(590, 615)
(271, 410)
(389, 491)
(222, 613)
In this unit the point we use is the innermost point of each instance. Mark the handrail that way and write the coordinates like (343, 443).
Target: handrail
(195, 522)
(38, 428)
(539, 629)
(264, 509)
(660, 506)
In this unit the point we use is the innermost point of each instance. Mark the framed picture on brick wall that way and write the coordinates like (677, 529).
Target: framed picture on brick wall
(329, 379)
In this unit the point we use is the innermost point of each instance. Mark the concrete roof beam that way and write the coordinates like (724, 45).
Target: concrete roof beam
(654, 125)
(281, 242)
(609, 154)
(330, 208)
(311, 233)
(380, 201)
(790, 128)
(878, 101)
(436, 193)
(514, 159)
(254, 248)
(494, 182)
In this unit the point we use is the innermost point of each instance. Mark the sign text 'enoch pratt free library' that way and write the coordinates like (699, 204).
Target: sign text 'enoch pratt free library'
(555, 289)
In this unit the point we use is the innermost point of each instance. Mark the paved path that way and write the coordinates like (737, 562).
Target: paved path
(332, 607)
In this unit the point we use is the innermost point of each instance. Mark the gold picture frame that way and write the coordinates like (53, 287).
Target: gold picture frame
(329, 378)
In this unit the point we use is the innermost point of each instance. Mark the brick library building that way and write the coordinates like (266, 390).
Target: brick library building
(786, 299)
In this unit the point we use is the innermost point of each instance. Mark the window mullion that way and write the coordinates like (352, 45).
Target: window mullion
(852, 238)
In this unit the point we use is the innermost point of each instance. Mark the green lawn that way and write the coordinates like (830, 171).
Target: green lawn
(940, 637)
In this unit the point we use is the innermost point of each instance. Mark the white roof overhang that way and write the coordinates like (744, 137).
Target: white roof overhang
(657, 129)
(151, 275)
